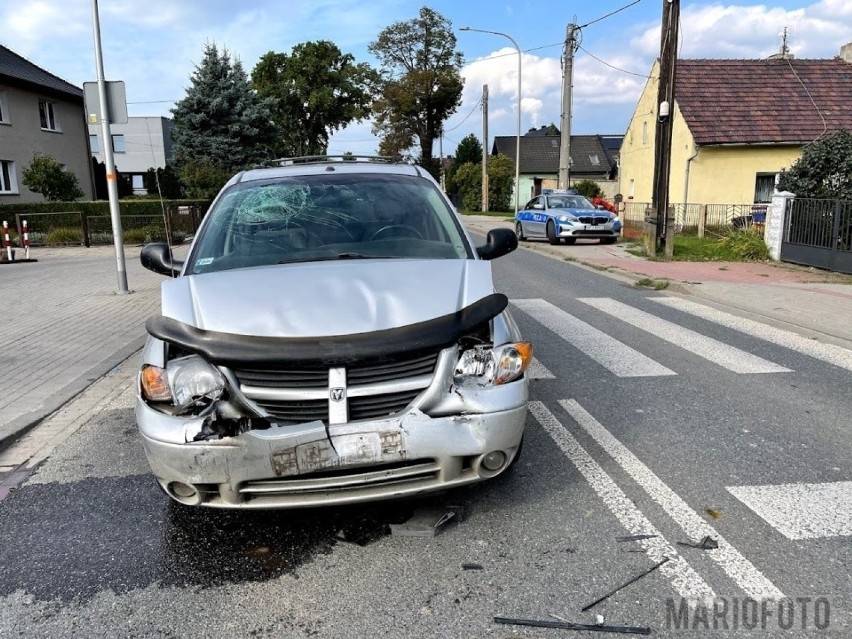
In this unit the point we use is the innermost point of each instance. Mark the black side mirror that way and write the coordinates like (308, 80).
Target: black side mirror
(498, 243)
(157, 257)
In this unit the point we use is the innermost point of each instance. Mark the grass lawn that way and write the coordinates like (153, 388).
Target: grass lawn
(691, 248)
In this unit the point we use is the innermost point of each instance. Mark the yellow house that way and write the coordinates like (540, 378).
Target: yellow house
(736, 125)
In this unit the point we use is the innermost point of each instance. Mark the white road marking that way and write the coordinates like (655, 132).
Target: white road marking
(830, 353)
(537, 370)
(686, 582)
(737, 567)
(607, 351)
(710, 349)
(802, 511)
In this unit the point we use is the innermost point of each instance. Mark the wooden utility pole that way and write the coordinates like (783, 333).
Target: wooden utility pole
(565, 131)
(665, 115)
(484, 148)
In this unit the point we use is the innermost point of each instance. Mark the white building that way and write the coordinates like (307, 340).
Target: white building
(141, 144)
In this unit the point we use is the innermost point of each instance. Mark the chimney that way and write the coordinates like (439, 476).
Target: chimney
(846, 52)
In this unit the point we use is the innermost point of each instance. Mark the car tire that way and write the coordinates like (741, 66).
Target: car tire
(609, 240)
(570, 240)
(519, 231)
(551, 233)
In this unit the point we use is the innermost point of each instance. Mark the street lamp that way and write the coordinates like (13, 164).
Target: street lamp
(518, 141)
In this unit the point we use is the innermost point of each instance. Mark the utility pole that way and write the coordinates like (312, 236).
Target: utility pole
(665, 109)
(484, 148)
(567, 83)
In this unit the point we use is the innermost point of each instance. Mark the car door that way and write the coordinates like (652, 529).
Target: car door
(535, 217)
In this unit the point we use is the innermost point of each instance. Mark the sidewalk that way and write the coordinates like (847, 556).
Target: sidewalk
(803, 297)
(64, 326)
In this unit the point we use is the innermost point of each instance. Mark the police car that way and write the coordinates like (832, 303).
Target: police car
(565, 214)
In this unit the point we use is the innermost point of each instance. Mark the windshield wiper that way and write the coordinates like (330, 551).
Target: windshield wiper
(339, 256)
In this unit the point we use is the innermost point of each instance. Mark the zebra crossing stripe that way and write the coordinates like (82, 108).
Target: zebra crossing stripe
(733, 359)
(605, 350)
(537, 370)
(829, 353)
(688, 583)
(737, 567)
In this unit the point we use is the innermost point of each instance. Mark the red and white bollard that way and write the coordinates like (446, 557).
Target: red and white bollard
(7, 243)
(26, 234)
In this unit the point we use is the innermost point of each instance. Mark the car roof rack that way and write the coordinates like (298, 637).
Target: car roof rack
(324, 159)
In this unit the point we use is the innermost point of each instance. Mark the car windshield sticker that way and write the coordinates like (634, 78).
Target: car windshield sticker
(204, 261)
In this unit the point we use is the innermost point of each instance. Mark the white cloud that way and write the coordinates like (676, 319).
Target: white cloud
(43, 20)
(740, 31)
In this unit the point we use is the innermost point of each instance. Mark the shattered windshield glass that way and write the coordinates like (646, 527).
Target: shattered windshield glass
(327, 217)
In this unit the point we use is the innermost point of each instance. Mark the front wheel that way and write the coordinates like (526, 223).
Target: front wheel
(551, 233)
(519, 231)
(570, 240)
(609, 240)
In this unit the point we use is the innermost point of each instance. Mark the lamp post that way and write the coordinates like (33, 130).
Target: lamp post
(518, 141)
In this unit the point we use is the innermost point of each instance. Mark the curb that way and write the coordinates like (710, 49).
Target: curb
(19, 426)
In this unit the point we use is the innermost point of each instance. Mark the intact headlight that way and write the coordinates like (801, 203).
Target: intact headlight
(185, 382)
(484, 366)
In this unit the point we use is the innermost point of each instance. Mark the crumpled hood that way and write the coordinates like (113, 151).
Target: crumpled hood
(322, 299)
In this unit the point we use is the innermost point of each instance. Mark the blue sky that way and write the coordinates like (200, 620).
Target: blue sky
(153, 46)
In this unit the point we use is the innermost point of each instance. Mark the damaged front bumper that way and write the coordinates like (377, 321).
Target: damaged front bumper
(312, 465)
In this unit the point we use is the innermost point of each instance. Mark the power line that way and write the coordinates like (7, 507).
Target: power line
(504, 55)
(611, 66)
(476, 106)
(611, 13)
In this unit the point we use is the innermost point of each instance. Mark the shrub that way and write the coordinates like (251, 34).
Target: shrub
(65, 235)
(746, 245)
(588, 188)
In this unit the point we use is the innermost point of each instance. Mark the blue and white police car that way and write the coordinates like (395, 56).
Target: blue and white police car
(565, 215)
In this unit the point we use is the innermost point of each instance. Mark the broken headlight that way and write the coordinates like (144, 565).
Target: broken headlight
(486, 366)
(186, 382)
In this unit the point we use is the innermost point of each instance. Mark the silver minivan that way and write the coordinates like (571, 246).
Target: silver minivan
(333, 336)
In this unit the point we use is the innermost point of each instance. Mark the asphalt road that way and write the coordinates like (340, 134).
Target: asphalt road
(647, 418)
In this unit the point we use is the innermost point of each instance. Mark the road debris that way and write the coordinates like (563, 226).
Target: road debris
(708, 543)
(713, 513)
(625, 584)
(428, 521)
(599, 620)
(567, 625)
(472, 567)
(634, 538)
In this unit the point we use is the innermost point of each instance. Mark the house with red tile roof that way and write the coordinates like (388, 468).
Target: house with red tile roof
(737, 124)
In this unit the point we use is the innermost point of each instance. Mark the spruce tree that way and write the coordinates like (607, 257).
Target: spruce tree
(221, 123)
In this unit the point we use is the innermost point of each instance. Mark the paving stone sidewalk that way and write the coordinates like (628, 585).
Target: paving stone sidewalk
(64, 326)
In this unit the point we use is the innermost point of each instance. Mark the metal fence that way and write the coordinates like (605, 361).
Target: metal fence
(688, 216)
(75, 228)
(818, 233)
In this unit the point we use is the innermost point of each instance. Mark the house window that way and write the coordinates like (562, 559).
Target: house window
(644, 133)
(764, 187)
(4, 108)
(93, 144)
(138, 182)
(594, 159)
(47, 116)
(8, 181)
(118, 144)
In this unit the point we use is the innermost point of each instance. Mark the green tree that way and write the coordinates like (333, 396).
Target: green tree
(203, 180)
(317, 90)
(468, 150)
(420, 85)
(501, 181)
(823, 171)
(589, 188)
(468, 181)
(163, 180)
(45, 176)
(221, 122)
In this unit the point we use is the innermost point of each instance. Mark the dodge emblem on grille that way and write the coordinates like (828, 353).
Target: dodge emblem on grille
(337, 394)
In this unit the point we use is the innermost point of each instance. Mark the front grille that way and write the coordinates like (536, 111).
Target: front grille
(374, 390)
(296, 412)
(374, 406)
(593, 220)
(345, 479)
